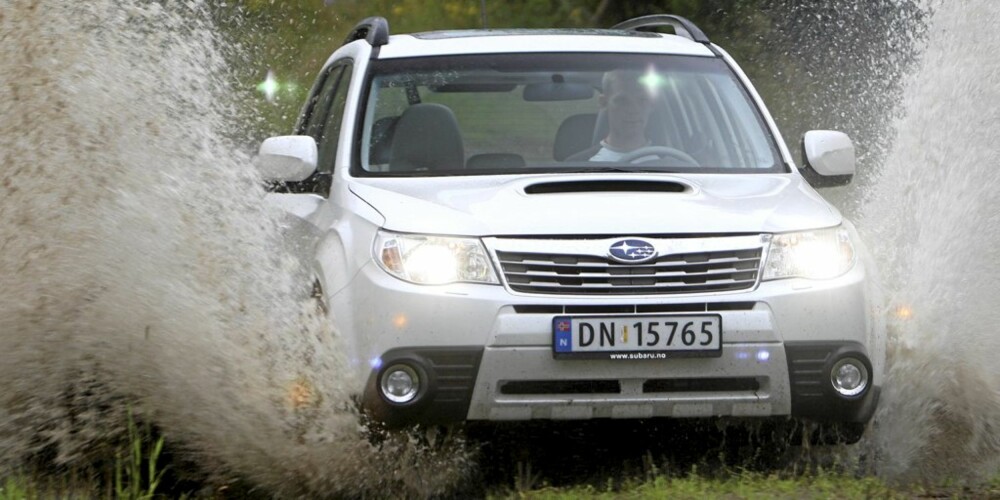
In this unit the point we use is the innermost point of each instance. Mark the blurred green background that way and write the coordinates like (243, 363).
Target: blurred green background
(819, 64)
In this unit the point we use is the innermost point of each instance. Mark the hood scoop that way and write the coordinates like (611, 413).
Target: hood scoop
(607, 186)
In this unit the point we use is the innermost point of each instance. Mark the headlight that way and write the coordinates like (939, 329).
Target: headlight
(433, 260)
(820, 254)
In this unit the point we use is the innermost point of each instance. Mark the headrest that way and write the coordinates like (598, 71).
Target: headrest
(574, 135)
(427, 138)
(380, 151)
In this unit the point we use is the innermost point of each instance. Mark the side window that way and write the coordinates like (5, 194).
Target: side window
(322, 123)
(330, 138)
(313, 125)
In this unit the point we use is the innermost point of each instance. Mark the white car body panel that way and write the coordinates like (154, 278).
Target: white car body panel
(400, 46)
(494, 205)
(378, 313)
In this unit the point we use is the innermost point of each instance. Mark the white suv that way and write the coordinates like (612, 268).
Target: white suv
(496, 242)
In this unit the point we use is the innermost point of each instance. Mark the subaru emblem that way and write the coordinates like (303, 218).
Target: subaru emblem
(632, 251)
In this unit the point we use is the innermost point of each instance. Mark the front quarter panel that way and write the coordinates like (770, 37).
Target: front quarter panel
(877, 308)
(346, 245)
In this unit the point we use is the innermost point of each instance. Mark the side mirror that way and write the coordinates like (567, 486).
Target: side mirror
(828, 157)
(287, 158)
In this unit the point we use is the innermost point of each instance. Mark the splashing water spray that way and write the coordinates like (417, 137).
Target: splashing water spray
(932, 219)
(139, 266)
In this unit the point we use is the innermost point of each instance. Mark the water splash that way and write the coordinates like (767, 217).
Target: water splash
(139, 265)
(838, 65)
(931, 218)
(914, 83)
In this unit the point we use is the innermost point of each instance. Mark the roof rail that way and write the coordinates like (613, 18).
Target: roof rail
(682, 27)
(373, 29)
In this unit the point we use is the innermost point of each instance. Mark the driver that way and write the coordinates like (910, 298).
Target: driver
(627, 104)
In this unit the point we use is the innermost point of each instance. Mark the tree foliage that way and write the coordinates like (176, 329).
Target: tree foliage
(293, 38)
(818, 63)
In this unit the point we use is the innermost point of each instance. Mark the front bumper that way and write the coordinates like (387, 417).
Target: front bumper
(746, 388)
(812, 393)
(779, 337)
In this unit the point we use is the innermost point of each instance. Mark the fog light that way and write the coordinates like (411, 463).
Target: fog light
(400, 383)
(849, 377)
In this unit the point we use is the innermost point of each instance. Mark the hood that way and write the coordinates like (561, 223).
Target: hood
(597, 204)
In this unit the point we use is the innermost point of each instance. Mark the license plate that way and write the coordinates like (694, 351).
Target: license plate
(637, 337)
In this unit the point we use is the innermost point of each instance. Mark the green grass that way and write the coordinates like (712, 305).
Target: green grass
(743, 485)
(137, 474)
(31, 487)
(694, 486)
(16, 487)
(748, 485)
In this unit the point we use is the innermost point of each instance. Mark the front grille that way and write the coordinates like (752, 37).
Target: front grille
(711, 271)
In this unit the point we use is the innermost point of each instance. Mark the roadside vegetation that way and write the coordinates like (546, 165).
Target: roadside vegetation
(135, 472)
(818, 485)
(143, 469)
(694, 484)
(734, 485)
(826, 64)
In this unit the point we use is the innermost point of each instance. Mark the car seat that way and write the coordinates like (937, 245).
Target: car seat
(380, 151)
(574, 135)
(427, 138)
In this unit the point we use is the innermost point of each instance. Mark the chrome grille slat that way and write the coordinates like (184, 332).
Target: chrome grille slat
(623, 286)
(655, 274)
(559, 290)
(636, 271)
(713, 269)
(587, 261)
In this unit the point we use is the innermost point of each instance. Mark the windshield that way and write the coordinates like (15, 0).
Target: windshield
(527, 113)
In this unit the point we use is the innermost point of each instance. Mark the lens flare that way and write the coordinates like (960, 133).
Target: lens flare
(269, 87)
(652, 81)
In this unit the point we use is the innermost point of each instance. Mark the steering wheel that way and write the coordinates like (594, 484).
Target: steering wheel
(660, 152)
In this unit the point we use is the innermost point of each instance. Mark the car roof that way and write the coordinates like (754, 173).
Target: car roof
(538, 41)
